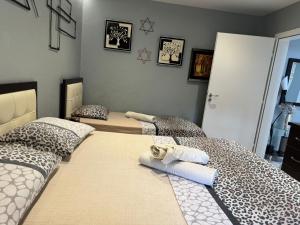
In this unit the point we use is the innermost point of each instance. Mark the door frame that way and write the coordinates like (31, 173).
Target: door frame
(267, 93)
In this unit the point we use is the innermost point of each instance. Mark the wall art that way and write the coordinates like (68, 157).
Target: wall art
(144, 55)
(118, 35)
(60, 22)
(201, 63)
(147, 26)
(22, 3)
(170, 51)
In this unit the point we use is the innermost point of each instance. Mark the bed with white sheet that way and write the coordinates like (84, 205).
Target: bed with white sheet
(24, 171)
(104, 183)
(71, 100)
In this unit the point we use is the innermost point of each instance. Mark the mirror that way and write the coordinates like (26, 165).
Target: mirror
(293, 73)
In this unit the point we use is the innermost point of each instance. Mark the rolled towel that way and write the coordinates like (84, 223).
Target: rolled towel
(170, 153)
(140, 116)
(160, 151)
(191, 171)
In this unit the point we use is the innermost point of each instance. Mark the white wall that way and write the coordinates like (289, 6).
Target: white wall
(24, 53)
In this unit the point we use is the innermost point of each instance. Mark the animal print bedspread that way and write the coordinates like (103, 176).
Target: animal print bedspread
(178, 127)
(23, 173)
(252, 189)
(199, 204)
(148, 128)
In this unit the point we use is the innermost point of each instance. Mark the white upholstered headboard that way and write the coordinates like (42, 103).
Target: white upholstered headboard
(17, 105)
(71, 96)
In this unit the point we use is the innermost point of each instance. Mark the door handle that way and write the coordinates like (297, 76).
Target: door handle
(295, 160)
(210, 96)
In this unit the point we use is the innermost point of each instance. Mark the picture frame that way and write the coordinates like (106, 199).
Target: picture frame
(118, 35)
(200, 64)
(171, 51)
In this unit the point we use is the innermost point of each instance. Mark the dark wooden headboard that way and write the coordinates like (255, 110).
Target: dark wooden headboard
(15, 87)
(18, 104)
(63, 94)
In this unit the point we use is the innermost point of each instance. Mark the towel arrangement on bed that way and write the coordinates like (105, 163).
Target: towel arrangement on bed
(141, 117)
(180, 161)
(170, 153)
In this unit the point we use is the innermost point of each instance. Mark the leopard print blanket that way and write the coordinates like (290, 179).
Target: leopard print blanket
(172, 126)
(23, 174)
(252, 189)
(199, 204)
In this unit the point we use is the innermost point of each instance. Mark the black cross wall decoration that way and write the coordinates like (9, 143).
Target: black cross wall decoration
(25, 5)
(60, 18)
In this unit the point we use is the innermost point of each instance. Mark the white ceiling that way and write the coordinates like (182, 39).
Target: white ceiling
(249, 7)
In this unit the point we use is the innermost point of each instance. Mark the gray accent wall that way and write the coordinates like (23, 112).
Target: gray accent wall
(282, 20)
(24, 53)
(119, 81)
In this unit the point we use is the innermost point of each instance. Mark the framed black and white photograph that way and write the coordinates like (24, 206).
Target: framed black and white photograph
(118, 35)
(170, 51)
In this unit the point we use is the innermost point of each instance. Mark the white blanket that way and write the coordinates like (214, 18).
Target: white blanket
(169, 153)
(191, 171)
(141, 117)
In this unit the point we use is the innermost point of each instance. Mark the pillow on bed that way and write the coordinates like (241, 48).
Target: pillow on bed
(80, 129)
(44, 137)
(24, 173)
(91, 111)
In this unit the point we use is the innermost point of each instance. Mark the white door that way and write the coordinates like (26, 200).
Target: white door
(236, 88)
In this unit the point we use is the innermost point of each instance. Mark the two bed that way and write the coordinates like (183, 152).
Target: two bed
(103, 183)
(72, 98)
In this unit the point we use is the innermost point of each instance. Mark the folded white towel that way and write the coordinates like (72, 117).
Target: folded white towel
(169, 153)
(140, 116)
(191, 171)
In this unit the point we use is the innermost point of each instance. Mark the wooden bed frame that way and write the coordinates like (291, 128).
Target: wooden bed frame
(63, 89)
(15, 87)
(22, 86)
(18, 110)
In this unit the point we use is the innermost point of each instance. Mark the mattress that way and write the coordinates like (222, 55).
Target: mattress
(164, 126)
(116, 122)
(104, 184)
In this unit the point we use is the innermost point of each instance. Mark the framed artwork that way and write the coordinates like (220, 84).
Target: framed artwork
(118, 35)
(201, 63)
(170, 51)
